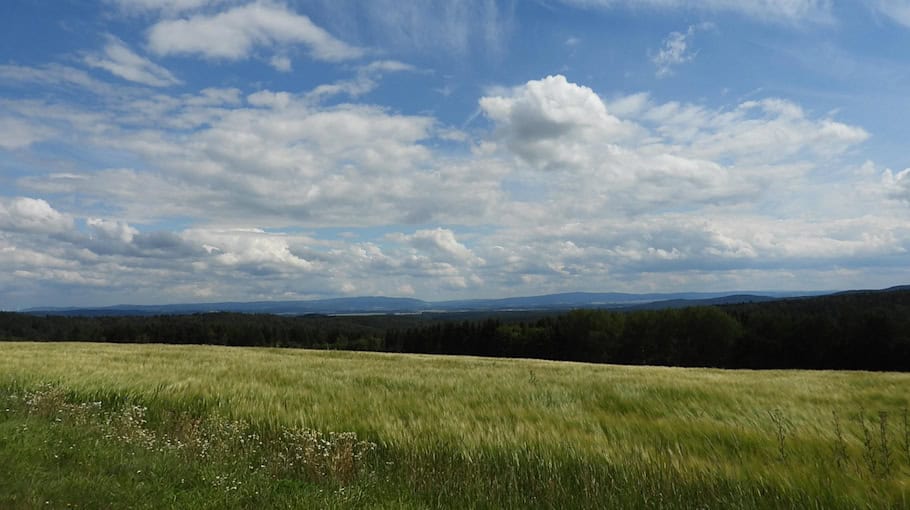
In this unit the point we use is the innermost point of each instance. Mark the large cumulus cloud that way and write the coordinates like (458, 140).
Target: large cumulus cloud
(658, 155)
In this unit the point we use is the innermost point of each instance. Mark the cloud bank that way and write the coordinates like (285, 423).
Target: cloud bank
(624, 193)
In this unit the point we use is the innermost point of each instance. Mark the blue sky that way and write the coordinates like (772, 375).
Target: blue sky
(196, 150)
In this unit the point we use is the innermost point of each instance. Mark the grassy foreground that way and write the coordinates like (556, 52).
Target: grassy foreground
(149, 426)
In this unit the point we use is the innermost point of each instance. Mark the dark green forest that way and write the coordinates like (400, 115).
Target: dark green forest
(859, 330)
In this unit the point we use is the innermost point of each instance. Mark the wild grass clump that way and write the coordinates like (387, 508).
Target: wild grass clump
(782, 427)
(287, 453)
(839, 446)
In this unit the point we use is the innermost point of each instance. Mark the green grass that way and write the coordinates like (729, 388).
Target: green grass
(433, 431)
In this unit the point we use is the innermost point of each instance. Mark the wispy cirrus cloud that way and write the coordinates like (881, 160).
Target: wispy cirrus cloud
(366, 79)
(165, 7)
(118, 59)
(774, 11)
(441, 27)
(897, 10)
(676, 49)
(56, 75)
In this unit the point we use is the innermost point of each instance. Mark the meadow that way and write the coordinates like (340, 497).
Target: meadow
(87, 425)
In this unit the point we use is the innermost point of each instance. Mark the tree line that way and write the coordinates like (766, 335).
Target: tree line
(867, 331)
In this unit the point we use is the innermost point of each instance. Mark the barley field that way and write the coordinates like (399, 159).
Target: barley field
(152, 426)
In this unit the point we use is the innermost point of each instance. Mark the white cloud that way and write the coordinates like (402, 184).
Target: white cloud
(112, 230)
(672, 53)
(661, 155)
(897, 185)
(280, 160)
(235, 33)
(250, 250)
(544, 120)
(31, 215)
(63, 277)
(267, 98)
(679, 247)
(441, 244)
(770, 130)
(676, 50)
(668, 251)
(141, 196)
(120, 61)
(17, 133)
(292, 162)
(365, 81)
(53, 74)
(281, 63)
(630, 105)
(388, 66)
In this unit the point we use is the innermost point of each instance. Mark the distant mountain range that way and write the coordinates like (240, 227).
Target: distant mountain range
(390, 305)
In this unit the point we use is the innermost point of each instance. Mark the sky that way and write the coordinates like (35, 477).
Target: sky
(163, 151)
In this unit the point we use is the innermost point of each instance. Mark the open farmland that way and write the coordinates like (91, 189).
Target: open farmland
(96, 425)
